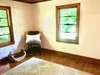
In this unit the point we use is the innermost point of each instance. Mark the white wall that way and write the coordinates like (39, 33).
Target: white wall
(22, 17)
(89, 43)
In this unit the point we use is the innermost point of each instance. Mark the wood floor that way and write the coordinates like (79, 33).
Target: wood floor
(78, 62)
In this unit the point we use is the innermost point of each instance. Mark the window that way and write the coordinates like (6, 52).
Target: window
(67, 19)
(6, 30)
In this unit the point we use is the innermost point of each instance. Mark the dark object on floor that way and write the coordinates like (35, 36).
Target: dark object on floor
(17, 56)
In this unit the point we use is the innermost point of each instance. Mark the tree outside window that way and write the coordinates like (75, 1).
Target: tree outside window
(6, 30)
(67, 19)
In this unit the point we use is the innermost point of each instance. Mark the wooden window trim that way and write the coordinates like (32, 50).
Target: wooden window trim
(9, 19)
(76, 5)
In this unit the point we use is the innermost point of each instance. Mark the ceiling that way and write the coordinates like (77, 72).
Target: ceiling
(31, 1)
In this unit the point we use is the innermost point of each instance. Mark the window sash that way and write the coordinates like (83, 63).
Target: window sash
(6, 29)
(67, 23)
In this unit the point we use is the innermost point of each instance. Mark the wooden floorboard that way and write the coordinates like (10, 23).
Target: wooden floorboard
(78, 62)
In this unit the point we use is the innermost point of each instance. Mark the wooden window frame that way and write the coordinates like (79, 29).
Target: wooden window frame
(58, 8)
(9, 20)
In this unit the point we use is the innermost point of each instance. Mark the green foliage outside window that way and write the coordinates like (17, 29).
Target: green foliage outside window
(67, 20)
(3, 14)
(4, 28)
(6, 33)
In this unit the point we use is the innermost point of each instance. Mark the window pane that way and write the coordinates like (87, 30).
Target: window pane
(67, 20)
(68, 32)
(68, 12)
(4, 30)
(4, 38)
(66, 36)
(3, 22)
(6, 33)
(3, 14)
(68, 29)
(68, 23)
